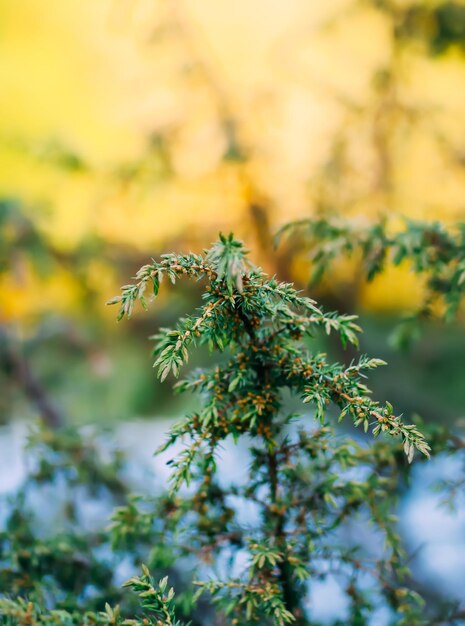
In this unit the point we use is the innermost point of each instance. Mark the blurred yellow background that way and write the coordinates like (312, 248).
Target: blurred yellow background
(130, 128)
(150, 124)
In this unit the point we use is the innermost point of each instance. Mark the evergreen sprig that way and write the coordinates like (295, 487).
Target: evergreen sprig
(297, 474)
(154, 598)
(263, 322)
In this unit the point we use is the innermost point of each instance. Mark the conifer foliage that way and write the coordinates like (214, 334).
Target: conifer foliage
(298, 478)
(433, 251)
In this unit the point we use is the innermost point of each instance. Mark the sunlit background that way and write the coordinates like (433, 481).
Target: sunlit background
(133, 127)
